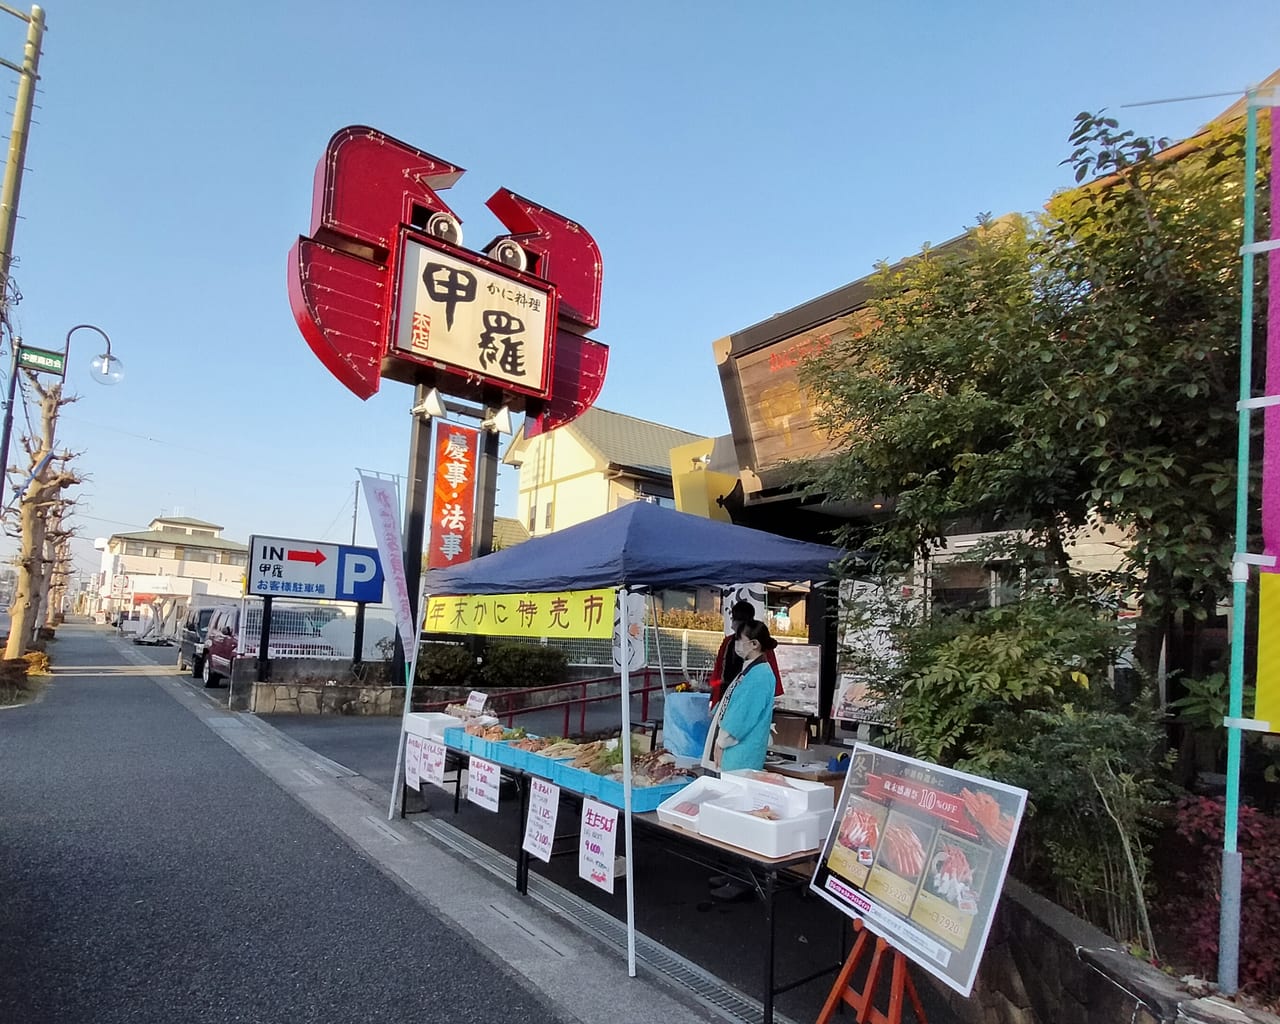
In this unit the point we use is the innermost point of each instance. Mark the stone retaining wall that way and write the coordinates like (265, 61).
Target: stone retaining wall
(322, 699)
(1043, 965)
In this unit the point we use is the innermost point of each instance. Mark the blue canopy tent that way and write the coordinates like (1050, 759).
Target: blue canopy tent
(640, 545)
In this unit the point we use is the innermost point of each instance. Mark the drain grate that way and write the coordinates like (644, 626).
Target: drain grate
(727, 1001)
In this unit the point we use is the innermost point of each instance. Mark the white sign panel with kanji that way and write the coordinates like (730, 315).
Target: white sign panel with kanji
(540, 827)
(483, 779)
(597, 843)
(432, 767)
(412, 759)
(458, 313)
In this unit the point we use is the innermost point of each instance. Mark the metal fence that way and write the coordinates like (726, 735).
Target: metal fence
(311, 629)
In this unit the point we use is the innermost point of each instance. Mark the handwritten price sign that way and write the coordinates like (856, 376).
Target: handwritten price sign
(597, 844)
(432, 768)
(540, 828)
(476, 701)
(483, 778)
(412, 758)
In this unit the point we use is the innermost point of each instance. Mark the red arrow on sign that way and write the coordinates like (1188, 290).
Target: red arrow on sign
(314, 557)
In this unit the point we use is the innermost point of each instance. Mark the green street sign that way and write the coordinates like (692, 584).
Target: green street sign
(42, 360)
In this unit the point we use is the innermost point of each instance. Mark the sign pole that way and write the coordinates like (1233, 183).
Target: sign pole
(15, 344)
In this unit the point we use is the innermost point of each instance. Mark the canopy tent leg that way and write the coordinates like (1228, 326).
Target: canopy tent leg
(411, 672)
(623, 591)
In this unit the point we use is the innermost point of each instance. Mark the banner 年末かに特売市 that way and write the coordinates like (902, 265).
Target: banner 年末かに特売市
(572, 614)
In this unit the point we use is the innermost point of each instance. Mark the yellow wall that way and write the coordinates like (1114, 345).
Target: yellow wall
(560, 470)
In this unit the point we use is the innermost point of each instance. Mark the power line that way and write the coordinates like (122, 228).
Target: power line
(1183, 99)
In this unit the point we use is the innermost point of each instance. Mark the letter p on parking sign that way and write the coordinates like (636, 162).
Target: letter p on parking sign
(359, 575)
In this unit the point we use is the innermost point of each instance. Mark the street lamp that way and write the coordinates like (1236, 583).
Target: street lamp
(107, 369)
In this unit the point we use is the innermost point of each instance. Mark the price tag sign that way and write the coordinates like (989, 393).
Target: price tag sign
(476, 701)
(540, 828)
(597, 843)
(483, 778)
(432, 767)
(412, 760)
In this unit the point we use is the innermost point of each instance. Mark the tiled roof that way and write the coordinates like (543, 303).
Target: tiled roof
(180, 539)
(186, 521)
(508, 532)
(630, 443)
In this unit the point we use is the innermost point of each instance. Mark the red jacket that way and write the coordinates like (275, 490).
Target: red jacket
(718, 682)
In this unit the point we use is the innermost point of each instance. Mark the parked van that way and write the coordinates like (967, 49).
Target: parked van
(294, 634)
(192, 637)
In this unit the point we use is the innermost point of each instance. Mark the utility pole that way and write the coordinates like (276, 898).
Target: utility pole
(28, 74)
(25, 98)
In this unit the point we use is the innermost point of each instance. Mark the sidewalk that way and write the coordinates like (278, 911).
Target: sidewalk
(154, 873)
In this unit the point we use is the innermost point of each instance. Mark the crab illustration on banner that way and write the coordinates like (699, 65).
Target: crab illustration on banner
(453, 502)
(383, 287)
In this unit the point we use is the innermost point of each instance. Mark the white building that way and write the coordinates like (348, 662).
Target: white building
(165, 565)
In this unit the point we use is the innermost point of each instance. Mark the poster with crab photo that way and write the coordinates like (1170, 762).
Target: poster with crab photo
(919, 853)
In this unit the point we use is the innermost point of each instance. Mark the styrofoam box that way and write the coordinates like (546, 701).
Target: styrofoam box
(797, 796)
(729, 821)
(429, 724)
(698, 792)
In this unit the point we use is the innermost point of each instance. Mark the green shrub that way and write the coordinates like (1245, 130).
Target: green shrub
(682, 618)
(441, 664)
(517, 664)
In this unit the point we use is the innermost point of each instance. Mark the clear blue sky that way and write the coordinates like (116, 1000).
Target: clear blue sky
(732, 159)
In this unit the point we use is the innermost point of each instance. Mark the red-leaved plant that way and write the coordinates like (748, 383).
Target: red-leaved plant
(1200, 823)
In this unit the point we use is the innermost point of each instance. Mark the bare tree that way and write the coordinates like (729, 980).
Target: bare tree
(51, 474)
(57, 561)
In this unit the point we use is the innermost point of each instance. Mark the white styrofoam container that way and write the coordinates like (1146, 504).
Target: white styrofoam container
(797, 796)
(430, 725)
(727, 820)
(697, 792)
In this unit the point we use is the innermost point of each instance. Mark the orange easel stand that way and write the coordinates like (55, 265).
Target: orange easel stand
(900, 986)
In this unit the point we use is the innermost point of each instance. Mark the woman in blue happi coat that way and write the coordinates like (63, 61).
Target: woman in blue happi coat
(739, 733)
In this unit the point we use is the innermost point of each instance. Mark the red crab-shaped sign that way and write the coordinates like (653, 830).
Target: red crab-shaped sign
(383, 287)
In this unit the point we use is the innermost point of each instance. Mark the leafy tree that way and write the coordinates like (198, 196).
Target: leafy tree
(1084, 364)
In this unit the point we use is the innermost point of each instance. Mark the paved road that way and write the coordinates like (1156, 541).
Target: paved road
(151, 874)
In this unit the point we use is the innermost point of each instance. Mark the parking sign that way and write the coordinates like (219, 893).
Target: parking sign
(309, 570)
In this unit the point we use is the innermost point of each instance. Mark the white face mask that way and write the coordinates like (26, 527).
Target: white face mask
(743, 649)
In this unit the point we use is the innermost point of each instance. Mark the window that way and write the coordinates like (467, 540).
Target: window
(546, 519)
(533, 517)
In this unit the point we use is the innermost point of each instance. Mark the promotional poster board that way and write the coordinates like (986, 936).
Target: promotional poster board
(919, 854)
(799, 666)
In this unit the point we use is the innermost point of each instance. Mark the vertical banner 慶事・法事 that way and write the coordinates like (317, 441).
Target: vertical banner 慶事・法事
(453, 495)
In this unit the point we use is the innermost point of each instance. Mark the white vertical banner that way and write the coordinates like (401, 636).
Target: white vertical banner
(384, 510)
(753, 593)
(629, 627)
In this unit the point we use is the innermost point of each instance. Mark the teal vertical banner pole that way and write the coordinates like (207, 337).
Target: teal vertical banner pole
(1229, 907)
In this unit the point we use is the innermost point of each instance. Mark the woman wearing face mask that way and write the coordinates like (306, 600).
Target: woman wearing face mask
(739, 733)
